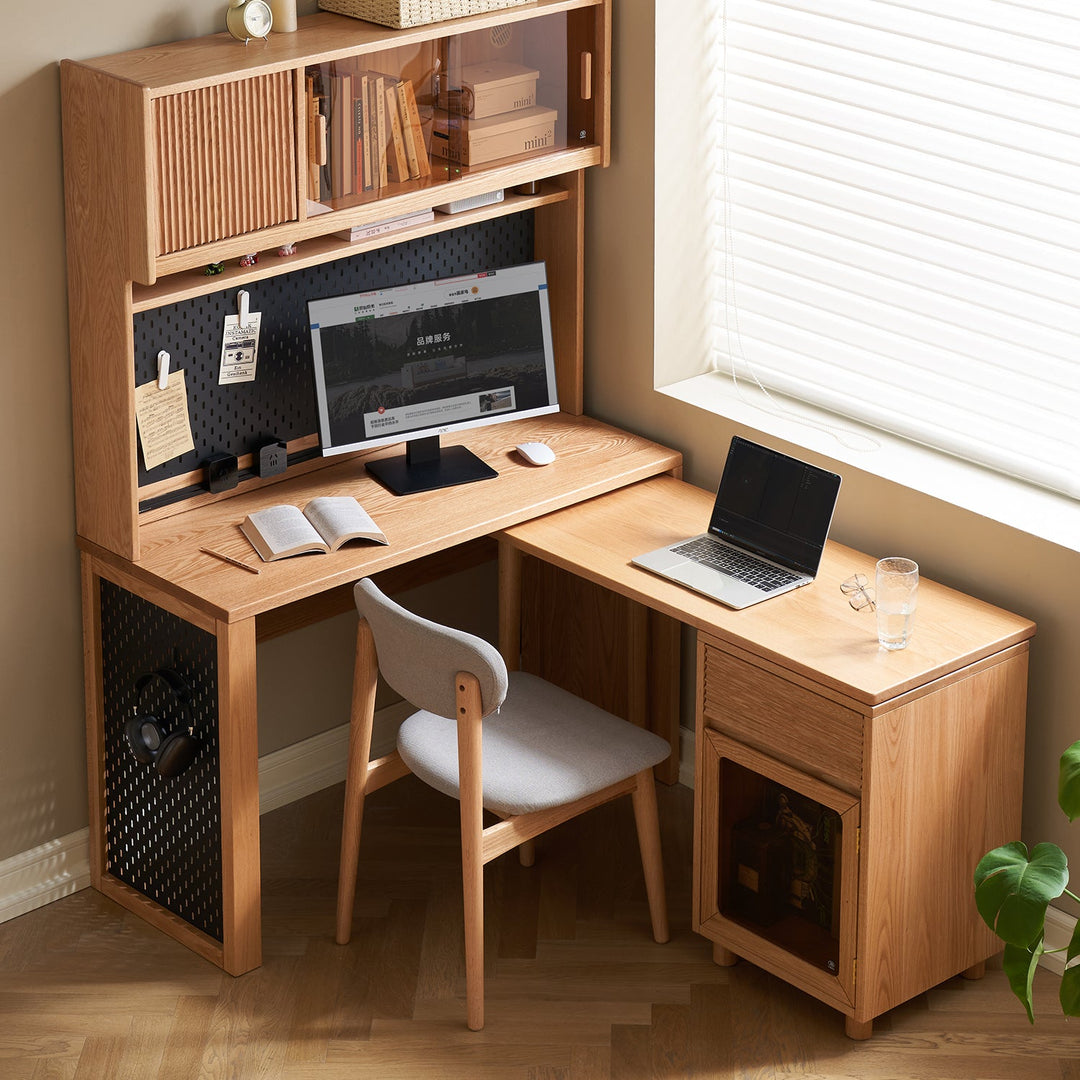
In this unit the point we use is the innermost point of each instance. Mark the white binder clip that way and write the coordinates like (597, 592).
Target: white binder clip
(163, 370)
(242, 303)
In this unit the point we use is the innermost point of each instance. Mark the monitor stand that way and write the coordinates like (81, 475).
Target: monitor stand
(426, 465)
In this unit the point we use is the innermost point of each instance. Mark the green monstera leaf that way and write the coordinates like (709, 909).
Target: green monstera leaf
(1070, 981)
(1069, 782)
(1020, 966)
(1013, 889)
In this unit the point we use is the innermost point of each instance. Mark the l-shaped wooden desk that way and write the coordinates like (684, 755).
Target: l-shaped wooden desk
(915, 757)
(183, 852)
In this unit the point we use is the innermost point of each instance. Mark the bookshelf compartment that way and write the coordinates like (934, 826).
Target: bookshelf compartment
(404, 119)
(225, 160)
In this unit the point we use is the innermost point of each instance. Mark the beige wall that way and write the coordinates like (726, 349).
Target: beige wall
(42, 783)
(42, 748)
(999, 564)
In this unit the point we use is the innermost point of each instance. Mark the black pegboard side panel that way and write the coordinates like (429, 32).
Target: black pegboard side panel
(162, 834)
(239, 417)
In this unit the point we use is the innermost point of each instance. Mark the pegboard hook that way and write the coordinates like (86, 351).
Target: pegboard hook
(242, 301)
(163, 370)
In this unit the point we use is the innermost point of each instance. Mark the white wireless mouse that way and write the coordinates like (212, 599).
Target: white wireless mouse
(536, 453)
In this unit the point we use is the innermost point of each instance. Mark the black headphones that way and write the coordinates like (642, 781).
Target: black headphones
(152, 743)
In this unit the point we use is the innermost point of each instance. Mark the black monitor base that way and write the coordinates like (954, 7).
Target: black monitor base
(418, 469)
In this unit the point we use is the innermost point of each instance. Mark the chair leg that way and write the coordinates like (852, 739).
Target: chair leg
(362, 716)
(527, 852)
(648, 830)
(471, 797)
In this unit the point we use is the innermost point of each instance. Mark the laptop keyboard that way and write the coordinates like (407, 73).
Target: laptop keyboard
(746, 568)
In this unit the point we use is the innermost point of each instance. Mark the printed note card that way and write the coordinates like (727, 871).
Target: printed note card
(162, 418)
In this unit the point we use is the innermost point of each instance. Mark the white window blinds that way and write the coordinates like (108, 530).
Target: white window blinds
(897, 230)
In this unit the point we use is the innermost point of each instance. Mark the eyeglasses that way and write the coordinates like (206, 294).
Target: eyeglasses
(858, 591)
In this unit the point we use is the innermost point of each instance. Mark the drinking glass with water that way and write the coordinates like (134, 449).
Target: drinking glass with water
(897, 588)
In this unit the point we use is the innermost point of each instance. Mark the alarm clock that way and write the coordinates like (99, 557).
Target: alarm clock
(248, 19)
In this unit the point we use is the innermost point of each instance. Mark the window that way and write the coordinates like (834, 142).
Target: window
(896, 218)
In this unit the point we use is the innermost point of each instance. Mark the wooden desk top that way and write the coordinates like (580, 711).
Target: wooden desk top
(592, 458)
(812, 631)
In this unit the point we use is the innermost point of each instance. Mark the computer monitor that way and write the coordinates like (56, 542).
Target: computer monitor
(414, 362)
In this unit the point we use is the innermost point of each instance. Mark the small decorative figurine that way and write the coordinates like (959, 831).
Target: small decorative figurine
(286, 249)
(214, 268)
(249, 260)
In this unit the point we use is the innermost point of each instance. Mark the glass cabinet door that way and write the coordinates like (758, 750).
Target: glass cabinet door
(387, 122)
(778, 872)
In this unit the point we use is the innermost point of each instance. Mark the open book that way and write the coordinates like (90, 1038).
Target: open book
(322, 526)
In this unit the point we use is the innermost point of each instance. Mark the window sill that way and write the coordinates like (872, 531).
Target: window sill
(1004, 499)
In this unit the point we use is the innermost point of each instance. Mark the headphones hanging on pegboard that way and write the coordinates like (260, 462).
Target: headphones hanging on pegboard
(150, 739)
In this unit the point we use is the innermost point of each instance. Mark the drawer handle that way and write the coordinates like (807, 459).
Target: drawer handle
(586, 76)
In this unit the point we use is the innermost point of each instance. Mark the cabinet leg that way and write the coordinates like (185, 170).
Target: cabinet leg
(723, 957)
(976, 971)
(858, 1029)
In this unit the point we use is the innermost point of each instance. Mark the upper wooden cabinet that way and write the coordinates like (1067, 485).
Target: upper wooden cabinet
(197, 151)
(185, 161)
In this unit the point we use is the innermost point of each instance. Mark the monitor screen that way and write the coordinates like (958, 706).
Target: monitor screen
(417, 361)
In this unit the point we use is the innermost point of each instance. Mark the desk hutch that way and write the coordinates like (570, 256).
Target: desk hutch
(199, 153)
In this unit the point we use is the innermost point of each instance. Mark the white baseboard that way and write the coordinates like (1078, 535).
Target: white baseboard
(43, 874)
(1060, 927)
(61, 867)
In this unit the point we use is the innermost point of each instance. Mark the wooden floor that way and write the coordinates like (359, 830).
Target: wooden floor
(577, 990)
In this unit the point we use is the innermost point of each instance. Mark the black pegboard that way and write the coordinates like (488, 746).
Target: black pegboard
(162, 834)
(237, 418)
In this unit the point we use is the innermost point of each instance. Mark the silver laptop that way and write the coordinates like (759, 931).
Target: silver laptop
(767, 532)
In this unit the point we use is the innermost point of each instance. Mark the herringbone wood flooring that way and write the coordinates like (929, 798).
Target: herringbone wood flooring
(576, 989)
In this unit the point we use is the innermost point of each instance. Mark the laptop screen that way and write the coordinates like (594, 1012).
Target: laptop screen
(774, 505)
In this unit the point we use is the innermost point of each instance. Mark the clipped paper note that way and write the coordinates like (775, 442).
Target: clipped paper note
(162, 418)
(240, 349)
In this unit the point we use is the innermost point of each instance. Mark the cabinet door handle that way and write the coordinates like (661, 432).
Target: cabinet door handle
(586, 76)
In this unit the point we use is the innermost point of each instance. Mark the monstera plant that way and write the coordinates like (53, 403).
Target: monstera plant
(1014, 887)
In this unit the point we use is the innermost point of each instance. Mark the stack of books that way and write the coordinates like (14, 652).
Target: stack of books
(364, 132)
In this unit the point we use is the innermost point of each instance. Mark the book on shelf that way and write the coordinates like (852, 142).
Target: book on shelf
(362, 140)
(397, 164)
(413, 132)
(379, 128)
(324, 524)
(316, 135)
(342, 136)
(378, 228)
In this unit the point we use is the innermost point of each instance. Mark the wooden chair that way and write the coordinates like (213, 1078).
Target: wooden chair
(529, 752)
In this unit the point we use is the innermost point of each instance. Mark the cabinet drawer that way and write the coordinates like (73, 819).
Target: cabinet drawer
(780, 718)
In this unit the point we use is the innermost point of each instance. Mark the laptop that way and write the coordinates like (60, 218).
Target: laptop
(766, 534)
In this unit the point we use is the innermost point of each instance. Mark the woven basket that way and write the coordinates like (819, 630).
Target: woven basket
(402, 13)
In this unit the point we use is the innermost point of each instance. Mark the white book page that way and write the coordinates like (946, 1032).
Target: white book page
(335, 516)
(284, 527)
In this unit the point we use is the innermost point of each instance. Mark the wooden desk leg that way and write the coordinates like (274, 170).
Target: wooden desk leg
(722, 956)
(510, 559)
(95, 718)
(665, 658)
(239, 749)
(858, 1029)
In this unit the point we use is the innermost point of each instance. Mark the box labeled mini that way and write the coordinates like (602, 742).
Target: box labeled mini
(474, 142)
(497, 86)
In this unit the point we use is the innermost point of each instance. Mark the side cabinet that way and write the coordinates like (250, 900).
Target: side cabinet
(835, 841)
